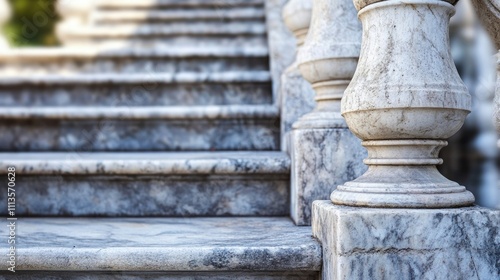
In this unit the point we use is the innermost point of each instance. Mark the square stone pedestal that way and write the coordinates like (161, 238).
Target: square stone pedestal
(297, 100)
(382, 243)
(322, 159)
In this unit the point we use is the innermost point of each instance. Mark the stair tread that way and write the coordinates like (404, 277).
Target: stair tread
(125, 30)
(165, 244)
(178, 14)
(142, 112)
(135, 78)
(255, 162)
(50, 53)
(169, 3)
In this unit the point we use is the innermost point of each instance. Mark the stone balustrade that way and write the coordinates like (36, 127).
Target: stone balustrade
(5, 14)
(297, 95)
(324, 152)
(404, 101)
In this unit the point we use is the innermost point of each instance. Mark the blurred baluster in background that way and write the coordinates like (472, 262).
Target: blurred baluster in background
(471, 157)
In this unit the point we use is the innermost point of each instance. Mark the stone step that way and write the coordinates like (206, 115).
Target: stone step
(152, 128)
(164, 248)
(133, 90)
(225, 14)
(169, 34)
(152, 4)
(125, 60)
(149, 184)
(171, 29)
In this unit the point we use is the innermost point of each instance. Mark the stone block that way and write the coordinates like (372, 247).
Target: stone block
(322, 159)
(378, 243)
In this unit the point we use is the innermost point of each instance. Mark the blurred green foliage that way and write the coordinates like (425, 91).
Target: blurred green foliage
(32, 23)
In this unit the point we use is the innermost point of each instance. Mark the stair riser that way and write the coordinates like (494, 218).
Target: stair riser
(139, 135)
(141, 65)
(51, 275)
(169, 41)
(149, 19)
(153, 94)
(143, 196)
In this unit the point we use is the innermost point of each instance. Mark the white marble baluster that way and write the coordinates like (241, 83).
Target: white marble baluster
(297, 95)
(324, 152)
(404, 101)
(5, 14)
(75, 15)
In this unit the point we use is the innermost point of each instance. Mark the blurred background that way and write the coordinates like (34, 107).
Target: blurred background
(471, 157)
(21, 30)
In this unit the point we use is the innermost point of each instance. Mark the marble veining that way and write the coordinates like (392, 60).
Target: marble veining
(165, 244)
(155, 134)
(147, 163)
(172, 194)
(281, 55)
(321, 160)
(376, 243)
(137, 95)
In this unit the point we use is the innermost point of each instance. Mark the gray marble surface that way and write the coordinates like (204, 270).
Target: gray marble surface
(167, 195)
(146, 163)
(138, 65)
(113, 4)
(139, 94)
(297, 99)
(165, 244)
(222, 13)
(125, 30)
(377, 243)
(155, 134)
(322, 159)
(131, 78)
(281, 44)
(122, 275)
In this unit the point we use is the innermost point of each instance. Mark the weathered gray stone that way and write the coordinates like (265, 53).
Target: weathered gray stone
(321, 159)
(404, 101)
(280, 40)
(154, 4)
(139, 128)
(30, 61)
(376, 243)
(297, 95)
(297, 99)
(324, 152)
(133, 90)
(167, 35)
(92, 275)
(488, 12)
(223, 13)
(149, 184)
(165, 244)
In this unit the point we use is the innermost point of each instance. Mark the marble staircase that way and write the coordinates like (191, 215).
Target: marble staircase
(148, 148)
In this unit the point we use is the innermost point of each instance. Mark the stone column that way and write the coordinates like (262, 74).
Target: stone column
(5, 14)
(75, 15)
(297, 95)
(404, 101)
(324, 152)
